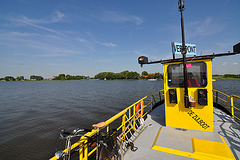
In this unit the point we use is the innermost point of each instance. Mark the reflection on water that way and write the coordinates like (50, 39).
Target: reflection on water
(33, 113)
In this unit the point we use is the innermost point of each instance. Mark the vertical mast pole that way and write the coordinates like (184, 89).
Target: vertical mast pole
(183, 50)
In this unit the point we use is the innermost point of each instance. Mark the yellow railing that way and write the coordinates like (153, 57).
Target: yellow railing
(124, 117)
(226, 99)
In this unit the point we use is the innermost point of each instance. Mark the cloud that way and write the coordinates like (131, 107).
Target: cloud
(57, 52)
(54, 18)
(38, 44)
(205, 27)
(92, 43)
(110, 45)
(86, 43)
(38, 26)
(113, 16)
(57, 17)
(235, 63)
(106, 44)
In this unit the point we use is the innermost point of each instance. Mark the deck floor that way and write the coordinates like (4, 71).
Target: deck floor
(180, 141)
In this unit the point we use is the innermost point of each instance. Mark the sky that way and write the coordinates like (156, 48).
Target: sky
(86, 37)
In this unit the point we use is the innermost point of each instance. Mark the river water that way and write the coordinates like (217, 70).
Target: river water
(33, 112)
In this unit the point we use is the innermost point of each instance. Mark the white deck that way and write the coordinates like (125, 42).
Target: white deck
(181, 140)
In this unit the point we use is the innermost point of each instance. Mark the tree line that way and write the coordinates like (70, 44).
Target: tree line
(127, 75)
(109, 76)
(226, 76)
(113, 76)
(69, 77)
(21, 78)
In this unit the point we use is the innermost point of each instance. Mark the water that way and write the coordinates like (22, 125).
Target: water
(32, 113)
(228, 86)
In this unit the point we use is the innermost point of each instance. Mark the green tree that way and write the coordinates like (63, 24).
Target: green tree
(145, 73)
(150, 77)
(124, 74)
(39, 78)
(133, 75)
(32, 77)
(158, 75)
(9, 78)
(110, 76)
(36, 78)
(100, 76)
(20, 78)
(61, 76)
(69, 77)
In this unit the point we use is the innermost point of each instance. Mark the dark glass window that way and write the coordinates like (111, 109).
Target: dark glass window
(196, 75)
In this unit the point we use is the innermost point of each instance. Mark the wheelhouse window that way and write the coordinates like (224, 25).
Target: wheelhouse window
(196, 75)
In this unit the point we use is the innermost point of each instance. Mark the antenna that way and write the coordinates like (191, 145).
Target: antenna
(181, 5)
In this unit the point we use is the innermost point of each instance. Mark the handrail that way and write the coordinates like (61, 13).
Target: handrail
(231, 98)
(127, 114)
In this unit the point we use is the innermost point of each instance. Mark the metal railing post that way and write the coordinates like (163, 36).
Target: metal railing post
(134, 112)
(160, 96)
(151, 102)
(85, 151)
(81, 154)
(232, 107)
(129, 113)
(123, 126)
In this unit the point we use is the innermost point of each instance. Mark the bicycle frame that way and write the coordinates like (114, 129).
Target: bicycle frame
(67, 154)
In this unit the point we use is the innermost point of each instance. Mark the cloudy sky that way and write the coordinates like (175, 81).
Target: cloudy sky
(79, 37)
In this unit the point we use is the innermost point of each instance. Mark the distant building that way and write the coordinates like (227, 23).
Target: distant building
(143, 76)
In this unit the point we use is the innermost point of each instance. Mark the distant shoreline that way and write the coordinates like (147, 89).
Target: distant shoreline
(102, 80)
(27, 80)
(224, 78)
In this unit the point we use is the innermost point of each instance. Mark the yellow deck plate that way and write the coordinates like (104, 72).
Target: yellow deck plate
(201, 149)
(211, 148)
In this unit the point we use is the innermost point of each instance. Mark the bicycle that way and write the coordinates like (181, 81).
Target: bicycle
(106, 143)
(107, 148)
(68, 136)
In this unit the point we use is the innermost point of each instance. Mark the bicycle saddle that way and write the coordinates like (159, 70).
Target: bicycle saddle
(99, 125)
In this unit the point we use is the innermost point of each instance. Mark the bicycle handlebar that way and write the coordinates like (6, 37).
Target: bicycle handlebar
(74, 133)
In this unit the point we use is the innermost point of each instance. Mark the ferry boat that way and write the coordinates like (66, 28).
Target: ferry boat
(188, 119)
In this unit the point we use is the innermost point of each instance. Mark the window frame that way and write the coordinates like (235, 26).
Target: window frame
(203, 75)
